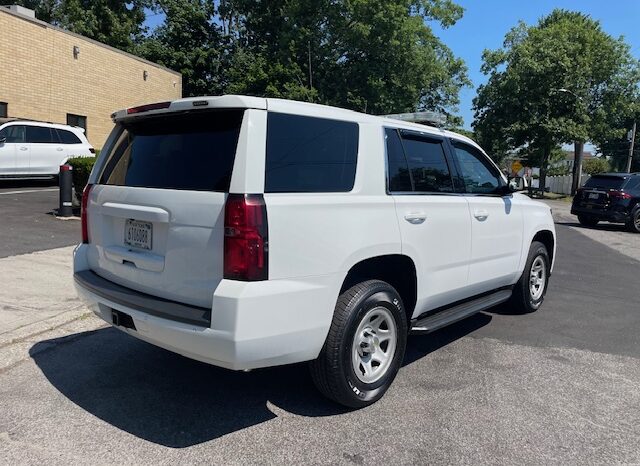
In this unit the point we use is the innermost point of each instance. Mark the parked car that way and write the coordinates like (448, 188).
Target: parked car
(611, 197)
(34, 149)
(247, 232)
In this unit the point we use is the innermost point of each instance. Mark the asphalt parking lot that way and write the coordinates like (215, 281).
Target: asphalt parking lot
(28, 223)
(559, 386)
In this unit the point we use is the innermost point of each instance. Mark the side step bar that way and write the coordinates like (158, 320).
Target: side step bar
(453, 314)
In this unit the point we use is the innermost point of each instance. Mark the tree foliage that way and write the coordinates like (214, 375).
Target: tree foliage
(596, 165)
(561, 80)
(376, 56)
(113, 22)
(372, 56)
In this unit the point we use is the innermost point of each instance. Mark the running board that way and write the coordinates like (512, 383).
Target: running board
(454, 314)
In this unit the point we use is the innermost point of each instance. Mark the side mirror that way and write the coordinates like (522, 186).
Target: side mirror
(3, 139)
(517, 183)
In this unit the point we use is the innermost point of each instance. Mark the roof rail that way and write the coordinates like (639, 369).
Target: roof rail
(425, 118)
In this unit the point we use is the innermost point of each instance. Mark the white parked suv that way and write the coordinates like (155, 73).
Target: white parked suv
(248, 232)
(34, 149)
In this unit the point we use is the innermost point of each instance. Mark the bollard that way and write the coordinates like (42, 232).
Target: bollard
(66, 191)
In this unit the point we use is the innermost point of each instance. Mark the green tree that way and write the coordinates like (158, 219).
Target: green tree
(118, 23)
(188, 41)
(556, 82)
(372, 56)
(596, 165)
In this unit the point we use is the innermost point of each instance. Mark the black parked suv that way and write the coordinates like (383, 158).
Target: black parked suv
(612, 197)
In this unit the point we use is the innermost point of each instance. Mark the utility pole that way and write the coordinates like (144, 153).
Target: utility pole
(578, 147)
(633, 139)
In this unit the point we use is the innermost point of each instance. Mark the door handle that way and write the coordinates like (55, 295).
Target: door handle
(23, 148)
(415, 218)
(481, 214)
(60, 149)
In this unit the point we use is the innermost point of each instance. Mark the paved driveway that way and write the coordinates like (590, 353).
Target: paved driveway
(560, 386)
(28, 223)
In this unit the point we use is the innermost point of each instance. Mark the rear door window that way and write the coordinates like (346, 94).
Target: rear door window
(308, 154)
(604, 182)
(399, 179)
(187, 152)
(427, 164)
(67, 137)
(40, 135)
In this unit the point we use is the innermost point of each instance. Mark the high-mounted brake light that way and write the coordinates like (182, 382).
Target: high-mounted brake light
(148, 107)
(246, 242)
(84, 213)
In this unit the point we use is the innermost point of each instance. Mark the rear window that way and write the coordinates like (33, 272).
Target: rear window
(67, 137)
(605, 182)
(308, 154)
(188, 152)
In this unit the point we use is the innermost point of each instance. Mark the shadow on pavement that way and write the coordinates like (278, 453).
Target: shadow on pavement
(604, 226)
(173, 401)
(6, 184)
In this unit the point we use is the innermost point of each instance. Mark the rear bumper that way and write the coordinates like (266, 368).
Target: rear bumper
(252, 324)
(617, 216)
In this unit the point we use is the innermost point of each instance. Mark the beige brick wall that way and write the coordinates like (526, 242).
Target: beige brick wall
(41, 80)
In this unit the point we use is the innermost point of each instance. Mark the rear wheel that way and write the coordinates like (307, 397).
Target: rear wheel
(529, 292)
(365, 345)
(633, 224)
(587, 221)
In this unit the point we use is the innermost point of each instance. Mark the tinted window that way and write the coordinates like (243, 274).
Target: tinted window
(478, 174)
(306, 154)
(399, 178)
(67, 137)
(633, 184)
(13, 133)
(4, 112)
(192, 152)
(428, 165)
(605, 182)
(40, 134)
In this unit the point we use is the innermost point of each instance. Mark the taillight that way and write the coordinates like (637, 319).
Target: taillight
(83, 213)
(246, 242)
(619, 195)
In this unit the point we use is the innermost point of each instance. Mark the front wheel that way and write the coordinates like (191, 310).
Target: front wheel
(365, 345)
(529, 292)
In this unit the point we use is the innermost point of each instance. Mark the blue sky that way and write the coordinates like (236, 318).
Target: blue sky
(485, 22)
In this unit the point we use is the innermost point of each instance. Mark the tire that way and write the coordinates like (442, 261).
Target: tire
(587, 221)
(633, 224)
(361, 315)
(527, 297)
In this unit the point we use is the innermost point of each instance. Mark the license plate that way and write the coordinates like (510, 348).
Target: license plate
(594, 195)
(138, 234)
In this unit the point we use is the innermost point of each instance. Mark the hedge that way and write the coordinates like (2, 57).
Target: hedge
(81, 170)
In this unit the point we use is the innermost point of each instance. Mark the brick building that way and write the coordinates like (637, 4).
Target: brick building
(49, 74)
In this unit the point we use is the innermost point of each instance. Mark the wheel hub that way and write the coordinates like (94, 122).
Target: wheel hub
(374, 345)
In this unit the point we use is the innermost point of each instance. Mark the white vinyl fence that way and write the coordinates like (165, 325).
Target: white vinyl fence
(562, 184)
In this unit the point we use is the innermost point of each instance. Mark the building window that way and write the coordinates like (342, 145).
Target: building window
(77, 120)
(4, 111)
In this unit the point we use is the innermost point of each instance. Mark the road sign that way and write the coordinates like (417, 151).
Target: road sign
(516, 166)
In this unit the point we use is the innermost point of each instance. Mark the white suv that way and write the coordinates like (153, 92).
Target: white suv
(34, 149)
(247, 232)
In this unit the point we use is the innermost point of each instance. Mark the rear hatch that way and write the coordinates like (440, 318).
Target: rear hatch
(156, 210)
(595, 193)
